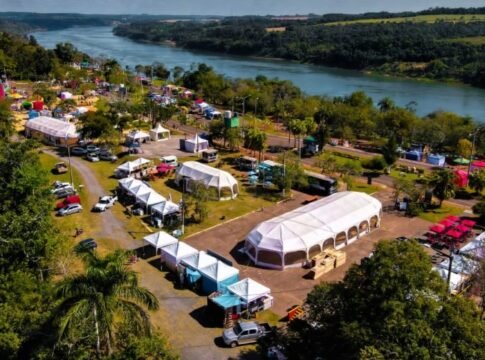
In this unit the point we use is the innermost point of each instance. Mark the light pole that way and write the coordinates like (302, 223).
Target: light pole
(69, 159)
(244, 104)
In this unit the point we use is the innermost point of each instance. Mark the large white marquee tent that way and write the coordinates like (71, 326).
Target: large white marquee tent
(211, 177)
(296, 236)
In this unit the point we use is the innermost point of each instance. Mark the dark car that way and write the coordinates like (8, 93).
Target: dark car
(107, 156)
(92, 149)
(65, 192)
(86, 244)
(78, 151)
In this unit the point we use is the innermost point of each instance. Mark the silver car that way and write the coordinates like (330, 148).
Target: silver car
(70, 209)
(93, 157)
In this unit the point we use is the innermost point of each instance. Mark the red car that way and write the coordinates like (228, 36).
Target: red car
(73, 199)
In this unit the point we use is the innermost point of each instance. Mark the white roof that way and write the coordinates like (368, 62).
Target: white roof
(134, 165)
(309, 225)
(150, 198)
(160, 239)
(159, 129)
(165, 208)
(460, 265)
(248, 290)
(455, 279)
(476, 248)
(179, 250)
(140, 189)
(207, 174)
(219, 271)
(138, 135)
(196, 140)
(52, 127)
(199, 260)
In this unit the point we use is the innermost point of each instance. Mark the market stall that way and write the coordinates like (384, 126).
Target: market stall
(160, 239)
(172, 255)
(217, 277)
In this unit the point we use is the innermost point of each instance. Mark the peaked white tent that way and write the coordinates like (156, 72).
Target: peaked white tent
(140, 190)
(160, 239)
(248, 290)
(218, 276)
(150, 198)
(127, 168)
(197, 144)
(209, 176)
(159, 133)
(199, 260)
(138, 136)
(165, 208)
(294, 237)
(173, 254)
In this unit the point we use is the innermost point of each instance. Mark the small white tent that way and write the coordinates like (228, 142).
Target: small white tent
(137, 136)
(249, 290)
(160, 239)
(150, 198)
(173, 254)
(159, 133)
(127, 168)
(199, 260)
(197, 144)
(217, 276)
(211, 177)
(165, 208)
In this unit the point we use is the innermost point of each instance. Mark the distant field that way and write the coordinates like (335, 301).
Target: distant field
(419, 18)
(472, 40)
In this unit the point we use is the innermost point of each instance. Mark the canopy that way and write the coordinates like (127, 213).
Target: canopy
(137, 135)
(51, 127)
(461, 161)
(150, 198)
(475, 249)
(462, 228)
(209, 176)
(437, 228)
(456, 280)
(165, 208)
(452, 218)
(219, 271)
(199, 260)
(447, 223)
(455, 234)
(66, 95)
(292, 238)
(469, 223)
(438, 160)
(132, 166)
(139, 189)
(173, 254)
(226, 301)
(478, 164)
(248, 290)
(197, 144)
(460, 265)
(159, 133)
(160, 239)
(461, 178)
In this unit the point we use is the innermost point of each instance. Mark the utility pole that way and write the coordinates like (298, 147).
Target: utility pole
(450, 266)
(69, 159)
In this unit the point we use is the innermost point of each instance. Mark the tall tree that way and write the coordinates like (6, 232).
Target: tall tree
(391, 306)
(476, 181)
(7, 120)
(103, 299)
(443, 183)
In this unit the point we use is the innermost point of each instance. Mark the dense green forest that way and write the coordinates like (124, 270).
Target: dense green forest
(437, 50)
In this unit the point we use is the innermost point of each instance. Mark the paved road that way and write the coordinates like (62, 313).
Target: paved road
(178, 317)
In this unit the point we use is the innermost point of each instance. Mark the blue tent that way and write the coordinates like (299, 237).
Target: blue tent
(33, 114)
(413, 155)
(436, 159)
(218, 276)
(227, 301)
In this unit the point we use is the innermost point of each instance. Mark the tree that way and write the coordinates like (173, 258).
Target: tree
(47, 94)
(255, 139)
(444, 187)
(234, 138)
(464, 148)
(197, 199)
(389, 151)
(145, 348)
(479, 209)
(327, 162)
(160, 71)
(391, 306)
(386, 104)
(7, 120)
(102, 300)
(291, 175)
(476, 181)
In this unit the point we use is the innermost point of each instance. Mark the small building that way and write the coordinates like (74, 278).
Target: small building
(52, 131)
(195, 145)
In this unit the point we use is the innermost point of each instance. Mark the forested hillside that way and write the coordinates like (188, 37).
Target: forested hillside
(436, 47)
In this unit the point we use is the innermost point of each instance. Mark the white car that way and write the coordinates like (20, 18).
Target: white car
(105, 202)
(70, 209)
(93, 157)
(59, 185)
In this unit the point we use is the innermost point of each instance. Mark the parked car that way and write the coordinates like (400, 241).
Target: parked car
(59, 184)
(86, 244)
(107, 156)
(169, 160)
(92, 149)
(70, 209)
(245, 333)
(72, 199)
(64, 192)
(105, 202)
(61, 187)
(93, 157)
(78, 151)
(60, 168)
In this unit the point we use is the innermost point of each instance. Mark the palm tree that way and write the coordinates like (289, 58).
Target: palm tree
(104, 298)
(444, 188)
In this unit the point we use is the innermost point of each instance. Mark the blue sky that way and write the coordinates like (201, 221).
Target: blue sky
(227, 7)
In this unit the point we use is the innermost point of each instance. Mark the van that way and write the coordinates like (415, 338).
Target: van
(247, 163)
(209, 155)
(169, 160)
(321, 184)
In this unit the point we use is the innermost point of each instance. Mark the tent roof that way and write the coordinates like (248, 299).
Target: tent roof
(304, 227)
(208, 175)
(137, 134)
(226, 301)
(196, 140)
(219, 271)
(460, 265)
(165, 208)
(248, 290)
(475, 248)
(52, 127)
(199, 260)
(160, 239)
(159, 129)
(179, 250)
(150, 198)
(130, 166)
(455, 279)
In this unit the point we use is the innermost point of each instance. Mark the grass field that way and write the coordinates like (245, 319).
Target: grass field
(440, 213)
(419, 18)
(472, 40)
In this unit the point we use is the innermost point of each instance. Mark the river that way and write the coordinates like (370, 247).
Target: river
(313, 80)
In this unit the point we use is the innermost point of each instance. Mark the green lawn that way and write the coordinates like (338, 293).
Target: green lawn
(419, 18)
(471, 40)
(365, 188)
(403, 175)
(440, 213)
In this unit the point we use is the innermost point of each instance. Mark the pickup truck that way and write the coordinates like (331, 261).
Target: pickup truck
(245, 333)
(60, 168)
(105, 202)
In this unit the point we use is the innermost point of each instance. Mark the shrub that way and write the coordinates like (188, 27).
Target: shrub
(375, 163)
